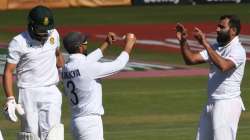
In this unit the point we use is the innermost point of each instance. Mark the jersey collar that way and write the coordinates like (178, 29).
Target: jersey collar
(32, 42)
(76, 56)
(235, 40)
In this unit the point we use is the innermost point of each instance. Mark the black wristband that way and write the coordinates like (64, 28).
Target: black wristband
(183, 42)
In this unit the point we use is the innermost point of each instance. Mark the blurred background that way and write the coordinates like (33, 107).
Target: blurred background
(156, 97)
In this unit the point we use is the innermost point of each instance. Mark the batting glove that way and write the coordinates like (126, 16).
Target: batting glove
(10, 109)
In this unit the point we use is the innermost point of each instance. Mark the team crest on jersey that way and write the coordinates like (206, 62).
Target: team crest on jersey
(46, 21)
(52, 40)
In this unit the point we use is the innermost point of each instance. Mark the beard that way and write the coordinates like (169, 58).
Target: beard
(223, 37)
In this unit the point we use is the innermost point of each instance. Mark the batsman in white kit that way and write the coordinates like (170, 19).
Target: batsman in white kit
(220, 117)
(35, 55)
(1, 137)
(81, 76)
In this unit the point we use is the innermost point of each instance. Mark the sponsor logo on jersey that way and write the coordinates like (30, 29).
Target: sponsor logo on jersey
(52, 40)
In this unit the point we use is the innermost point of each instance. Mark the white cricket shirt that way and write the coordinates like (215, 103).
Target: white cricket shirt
(81, 81)
(36, 63)
(226, 85)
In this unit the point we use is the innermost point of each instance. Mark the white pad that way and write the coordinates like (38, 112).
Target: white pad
(26, 136)
(56, 133)
(1, 137)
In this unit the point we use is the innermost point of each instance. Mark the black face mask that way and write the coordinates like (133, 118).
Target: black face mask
(223, 37)
(41, 36)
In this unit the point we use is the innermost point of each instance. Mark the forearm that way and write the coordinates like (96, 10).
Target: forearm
(98, 53)
(8, 84)
(186, 52)
(59, 59)
(10, 107)
(128, 47)
(219, 61)
(104, 46)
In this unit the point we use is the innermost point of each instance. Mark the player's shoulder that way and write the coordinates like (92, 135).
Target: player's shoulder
(19, 40)
(238, 48)
(237, 51)
(237, 45)
(22, 37)
(54, 33)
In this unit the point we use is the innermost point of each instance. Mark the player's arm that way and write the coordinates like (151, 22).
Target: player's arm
(222, 63)
(98, 53)
(10, 105)
(100, 70)
(8, 79)
(13, 58)
(59, 58)
(111, 37)
(58, 53)
(190, 56)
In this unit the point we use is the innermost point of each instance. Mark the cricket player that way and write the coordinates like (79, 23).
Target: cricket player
(81, 76)
(1, 137)
(35, 56)
(220, 116)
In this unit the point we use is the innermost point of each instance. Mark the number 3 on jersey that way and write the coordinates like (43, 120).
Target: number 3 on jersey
(73, 97)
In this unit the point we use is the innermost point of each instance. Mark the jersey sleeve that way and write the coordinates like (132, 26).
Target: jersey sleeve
(99, 70)
(204, 53)
(14, 52)
(95, 55)
(237, 56)
(57, 37)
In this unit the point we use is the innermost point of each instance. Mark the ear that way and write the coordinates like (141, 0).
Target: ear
(233, 31)
(83, 48)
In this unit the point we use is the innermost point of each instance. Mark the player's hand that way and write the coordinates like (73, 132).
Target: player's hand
(130, 40)
(10, 109)
(181, 32)
(111, 37)
(200, 36)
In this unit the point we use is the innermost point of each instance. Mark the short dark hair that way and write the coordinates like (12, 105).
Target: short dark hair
(234, 22)
(73, 40)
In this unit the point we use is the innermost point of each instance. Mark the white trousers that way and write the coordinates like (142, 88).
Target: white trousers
(1, 137)
(219, 119)
(42, 106)
(87, 128)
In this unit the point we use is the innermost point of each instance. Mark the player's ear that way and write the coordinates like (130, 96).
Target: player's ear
(83, 48)
(233, 31)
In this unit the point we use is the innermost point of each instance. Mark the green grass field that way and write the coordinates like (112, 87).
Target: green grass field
(146, 108)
